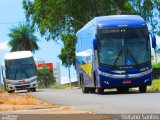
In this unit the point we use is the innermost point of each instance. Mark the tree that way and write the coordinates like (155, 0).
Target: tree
(68, 51)
(50, 16)
(45, 77)
(23, 38)
(149, 10)
(56, 17)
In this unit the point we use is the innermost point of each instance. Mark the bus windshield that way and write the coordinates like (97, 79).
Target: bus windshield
(20, 68)
(124, 47)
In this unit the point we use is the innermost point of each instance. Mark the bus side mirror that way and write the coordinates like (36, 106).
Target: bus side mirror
(153, 39)
(95, 44)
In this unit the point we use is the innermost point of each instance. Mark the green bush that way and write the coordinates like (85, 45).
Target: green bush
(45, 77)
(156, 85)
(156, 65)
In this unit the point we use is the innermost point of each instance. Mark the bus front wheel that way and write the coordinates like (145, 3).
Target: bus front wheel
(33, 89)
(142, 89)
(10, 91)
(100, 90)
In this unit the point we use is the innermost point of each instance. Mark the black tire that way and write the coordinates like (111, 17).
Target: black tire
(85, 89)
(10, 91)
(33, 89)
(142, 89)
(100, 90)
(29, 90)
(92, 90)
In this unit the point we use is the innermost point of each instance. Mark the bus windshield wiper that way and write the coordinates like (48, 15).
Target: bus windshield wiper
(15, 74)
(133, 58)
(24, 72)
(117, 58)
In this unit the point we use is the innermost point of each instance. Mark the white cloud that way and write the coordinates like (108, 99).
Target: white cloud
(65, 79)
(4, 45)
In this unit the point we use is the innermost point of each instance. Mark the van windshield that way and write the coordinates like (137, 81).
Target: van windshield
(20, 68)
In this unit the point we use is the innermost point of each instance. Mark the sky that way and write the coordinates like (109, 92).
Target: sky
(11, 14)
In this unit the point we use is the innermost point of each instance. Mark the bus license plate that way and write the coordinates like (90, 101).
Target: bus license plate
(23, 88)
(126, 81)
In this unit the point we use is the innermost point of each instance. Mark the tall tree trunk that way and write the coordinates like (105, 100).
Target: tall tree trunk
(155, 55)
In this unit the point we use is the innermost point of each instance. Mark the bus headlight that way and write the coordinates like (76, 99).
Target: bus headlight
(9, 82)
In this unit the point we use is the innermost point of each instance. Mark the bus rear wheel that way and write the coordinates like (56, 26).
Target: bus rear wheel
(85, 89)
(142, 89)
(100, 90)
(92, 90)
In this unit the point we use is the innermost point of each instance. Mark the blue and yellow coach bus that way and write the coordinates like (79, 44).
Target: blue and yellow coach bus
(114, 52)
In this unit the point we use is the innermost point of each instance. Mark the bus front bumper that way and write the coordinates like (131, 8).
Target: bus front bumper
(130, 80)
(12, 87)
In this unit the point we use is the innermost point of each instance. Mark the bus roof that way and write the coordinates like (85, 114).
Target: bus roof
(116, 21)
(17, 55)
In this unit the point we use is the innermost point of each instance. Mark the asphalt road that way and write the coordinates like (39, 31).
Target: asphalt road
(109, 103)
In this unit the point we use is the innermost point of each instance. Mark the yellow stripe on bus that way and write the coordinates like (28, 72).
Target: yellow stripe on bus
(88, 69)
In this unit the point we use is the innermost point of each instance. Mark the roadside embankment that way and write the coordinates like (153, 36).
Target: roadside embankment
(26, 107)
(9, 102)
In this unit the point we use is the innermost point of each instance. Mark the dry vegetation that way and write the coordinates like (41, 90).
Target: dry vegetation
(17, 102)
(27, 104)
(14, 99)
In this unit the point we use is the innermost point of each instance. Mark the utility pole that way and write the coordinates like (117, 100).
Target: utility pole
(69, 70)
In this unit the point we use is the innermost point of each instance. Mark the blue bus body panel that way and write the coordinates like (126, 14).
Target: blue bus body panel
(114, 21)
(120, 21)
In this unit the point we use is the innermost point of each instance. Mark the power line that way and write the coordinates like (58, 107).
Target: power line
(9, 22)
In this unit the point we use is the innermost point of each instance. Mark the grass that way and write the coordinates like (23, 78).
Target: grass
(65, 86)
(154, 65)
(156, 85)
(2, 88)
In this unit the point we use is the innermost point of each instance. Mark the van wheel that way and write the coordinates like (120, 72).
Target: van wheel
(100, 90)
(10, 91)
(142, 89)
(33, 89)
